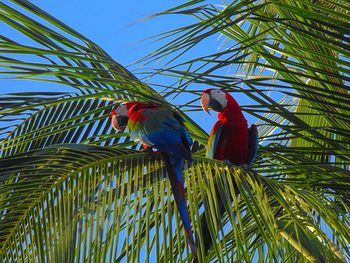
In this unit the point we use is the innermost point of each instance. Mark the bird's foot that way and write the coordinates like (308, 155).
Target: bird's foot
(245, 166)
(146, 148)
(228, 163)
(150, 150)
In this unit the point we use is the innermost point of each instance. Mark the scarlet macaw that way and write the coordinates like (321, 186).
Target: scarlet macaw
(155, 126)
(230, 139)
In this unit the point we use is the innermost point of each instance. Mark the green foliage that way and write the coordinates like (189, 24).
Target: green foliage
(71, 189)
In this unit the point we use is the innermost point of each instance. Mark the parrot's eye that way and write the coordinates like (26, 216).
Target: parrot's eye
(218, 100)
(122, 110)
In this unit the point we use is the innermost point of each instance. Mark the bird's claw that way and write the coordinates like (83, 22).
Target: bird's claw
(227, 162)
(150, 151)
(147, 150)
(246, 166)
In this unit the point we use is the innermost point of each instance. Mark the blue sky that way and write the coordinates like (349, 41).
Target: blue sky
(119, 29)
(109, 23)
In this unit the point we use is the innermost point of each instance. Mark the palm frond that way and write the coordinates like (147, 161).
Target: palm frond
(62, 56)
(89, 203)
(287, 46)
(71, 190)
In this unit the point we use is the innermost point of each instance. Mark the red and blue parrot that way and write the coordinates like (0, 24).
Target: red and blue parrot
(230, 139)
(155, 126)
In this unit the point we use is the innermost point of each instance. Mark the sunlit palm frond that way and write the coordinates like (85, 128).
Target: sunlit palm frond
(290, 60)
(61, 56)
(296, 49)
(63, 201)
(95, 202)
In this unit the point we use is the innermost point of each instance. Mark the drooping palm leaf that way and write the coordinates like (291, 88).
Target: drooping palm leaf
(74, 202)
(90, 202)
(292, 59)
(63, 56)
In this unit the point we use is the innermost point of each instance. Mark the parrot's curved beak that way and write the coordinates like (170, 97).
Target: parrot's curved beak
(205, 102)
(209, 103)
(118, 122)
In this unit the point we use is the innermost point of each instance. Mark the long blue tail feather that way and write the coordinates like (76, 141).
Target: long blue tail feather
(174, 169)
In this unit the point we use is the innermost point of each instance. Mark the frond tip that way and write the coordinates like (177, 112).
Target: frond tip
(86, 202)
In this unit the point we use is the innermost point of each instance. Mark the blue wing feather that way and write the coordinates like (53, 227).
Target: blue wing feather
(162, 129)
(159, 128)
(213, 141)
(252, 144)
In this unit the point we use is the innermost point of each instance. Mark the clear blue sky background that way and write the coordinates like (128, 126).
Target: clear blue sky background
(109, 23)
(117, 27)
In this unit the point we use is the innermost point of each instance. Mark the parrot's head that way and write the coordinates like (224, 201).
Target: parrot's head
(119, 116)
(214, 99)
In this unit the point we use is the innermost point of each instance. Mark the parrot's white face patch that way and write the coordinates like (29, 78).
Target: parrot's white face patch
(219, 96)
(122, 110)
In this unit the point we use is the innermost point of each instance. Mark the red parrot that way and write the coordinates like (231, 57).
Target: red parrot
(155, 126)
(230, 139)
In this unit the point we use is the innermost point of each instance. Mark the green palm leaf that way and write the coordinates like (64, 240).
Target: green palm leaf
(89, 203)
(72, 190)
(76, 62)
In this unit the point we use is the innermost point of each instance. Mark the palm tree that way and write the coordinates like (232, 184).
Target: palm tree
(73, 190)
